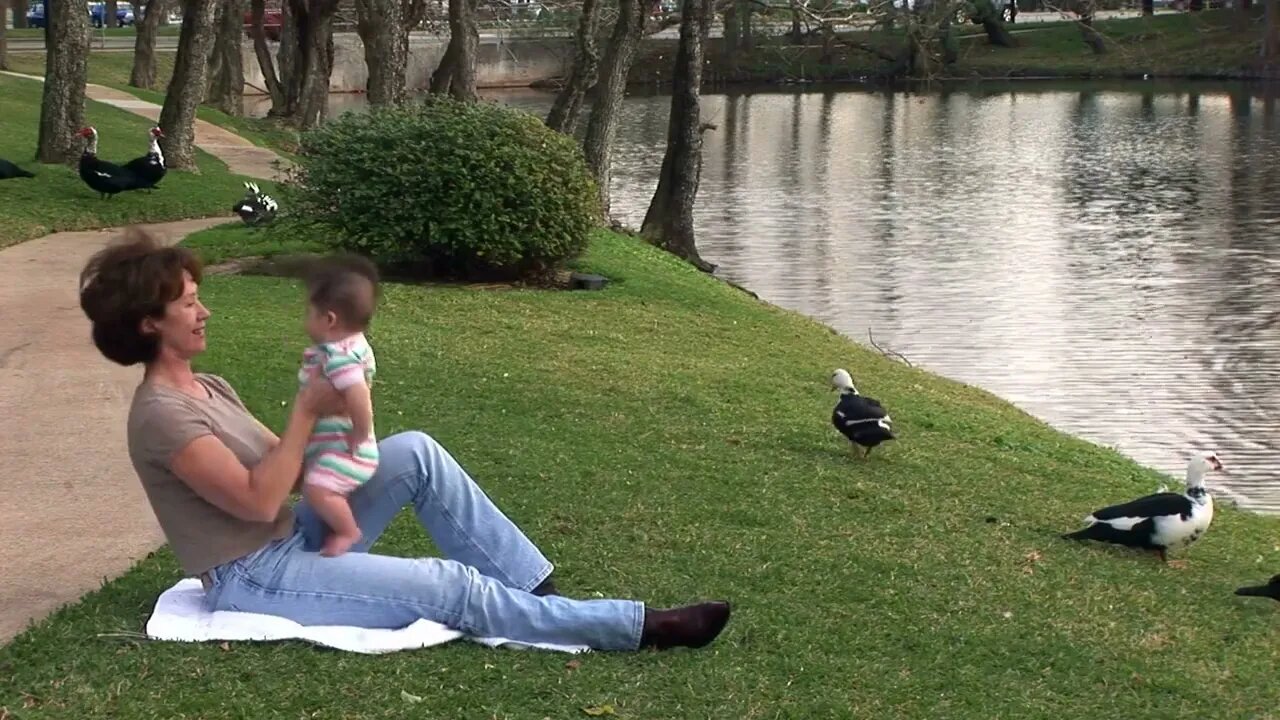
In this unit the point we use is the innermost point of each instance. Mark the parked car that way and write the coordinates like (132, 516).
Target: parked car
(35, 15)
(271, 22)
(98, 14)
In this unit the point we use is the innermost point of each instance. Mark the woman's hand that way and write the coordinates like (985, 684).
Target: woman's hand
(319, 398)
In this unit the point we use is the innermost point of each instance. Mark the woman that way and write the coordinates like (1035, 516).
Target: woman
(218, 481)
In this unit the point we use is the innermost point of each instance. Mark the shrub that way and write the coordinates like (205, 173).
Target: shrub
(447, 188)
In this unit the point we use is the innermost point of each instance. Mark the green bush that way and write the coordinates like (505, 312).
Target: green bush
(447, 189)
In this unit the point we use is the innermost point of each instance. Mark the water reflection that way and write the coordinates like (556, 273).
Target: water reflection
(1106, 259)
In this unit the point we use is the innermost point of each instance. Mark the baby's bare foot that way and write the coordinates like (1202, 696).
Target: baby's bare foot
(337, 544)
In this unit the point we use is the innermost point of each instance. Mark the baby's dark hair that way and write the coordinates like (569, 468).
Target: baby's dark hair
(347, 286)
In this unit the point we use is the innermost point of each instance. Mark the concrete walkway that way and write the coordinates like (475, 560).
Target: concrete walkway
(241, 156)
(74, 513)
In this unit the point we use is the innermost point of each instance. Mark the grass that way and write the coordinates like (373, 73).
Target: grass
(94, 33)
(668, 439)
(1216, 43)
(58, 200)
(1213, 43)
(113, 70)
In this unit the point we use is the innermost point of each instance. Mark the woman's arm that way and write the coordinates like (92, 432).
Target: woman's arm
(256, 494)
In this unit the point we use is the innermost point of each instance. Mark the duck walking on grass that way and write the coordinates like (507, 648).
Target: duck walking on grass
(9, 171)
(103, 177)
(1271, 589)
(860, 418)
(256, 208)
(1161, 521)
(149, 168)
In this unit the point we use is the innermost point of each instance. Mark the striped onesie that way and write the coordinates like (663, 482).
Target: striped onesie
(329, 462)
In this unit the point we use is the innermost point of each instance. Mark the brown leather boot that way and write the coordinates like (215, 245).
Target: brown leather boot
(690, 626)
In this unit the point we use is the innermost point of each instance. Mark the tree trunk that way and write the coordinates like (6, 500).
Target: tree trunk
(442, 78)
(289, 55)
(4, 41)
(669, 221)
(748, 33)
(1271, 33)
(381, 26)
(1195, 5)
(456, 74)
(586, 63)
(1148, 8)
(226, 84)
(950, 44)
(66, 35)
(602, 125)
(109, 18)
(177, 117)
(315, 34)
(993, 24)
(796, 36)
(263, 53)
(19, 15)
(144, 45)
(732, 29)
(1091, 36)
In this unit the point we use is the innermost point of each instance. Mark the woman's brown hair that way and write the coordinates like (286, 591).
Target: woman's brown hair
(126, 282)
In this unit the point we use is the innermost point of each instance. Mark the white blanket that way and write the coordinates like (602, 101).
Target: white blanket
(180, 615)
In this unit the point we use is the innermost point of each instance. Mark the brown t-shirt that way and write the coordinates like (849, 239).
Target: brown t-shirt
(161, 422)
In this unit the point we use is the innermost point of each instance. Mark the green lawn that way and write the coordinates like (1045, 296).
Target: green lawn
(58, 200)
(113, 70)
(1211, 43)
(668, 439)
(1216, 43)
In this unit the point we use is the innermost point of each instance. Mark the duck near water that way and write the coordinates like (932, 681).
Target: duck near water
(104, 177)
(1161, 521)
(860, 418)
(9, 171)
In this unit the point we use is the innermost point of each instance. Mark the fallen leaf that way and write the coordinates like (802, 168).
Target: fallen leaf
(225, 645)
(598, 710)
(1033, 556)
(409, 698)
(573, 664)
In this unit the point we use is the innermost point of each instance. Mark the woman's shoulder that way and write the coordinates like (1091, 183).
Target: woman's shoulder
(219, 386)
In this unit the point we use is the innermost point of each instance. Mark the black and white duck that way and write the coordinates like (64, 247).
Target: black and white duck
(1161, 521)
(9, 171)
(256, 208)
(149, 168)
(104, 177)
(860, 418)
(1271, 589)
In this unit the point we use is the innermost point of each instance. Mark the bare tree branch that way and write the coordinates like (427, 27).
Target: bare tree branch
(886, 352)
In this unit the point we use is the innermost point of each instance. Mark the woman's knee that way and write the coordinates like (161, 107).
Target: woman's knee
(415, 451)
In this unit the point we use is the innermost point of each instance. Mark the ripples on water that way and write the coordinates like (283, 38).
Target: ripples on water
(1107, 259)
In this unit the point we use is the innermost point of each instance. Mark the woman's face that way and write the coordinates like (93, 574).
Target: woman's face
(181, 330)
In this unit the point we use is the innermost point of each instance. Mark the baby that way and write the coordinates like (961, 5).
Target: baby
(342, 452)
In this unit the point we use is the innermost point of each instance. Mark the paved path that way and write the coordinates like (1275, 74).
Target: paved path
(240, 155)
(73, 513)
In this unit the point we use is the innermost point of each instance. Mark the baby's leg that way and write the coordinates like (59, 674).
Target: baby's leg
(326, 490)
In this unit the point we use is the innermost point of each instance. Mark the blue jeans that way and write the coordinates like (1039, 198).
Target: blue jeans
(480, 589)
